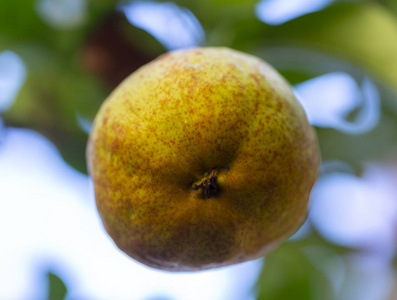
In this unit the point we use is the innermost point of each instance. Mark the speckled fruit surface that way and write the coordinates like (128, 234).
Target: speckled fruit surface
(200, 159)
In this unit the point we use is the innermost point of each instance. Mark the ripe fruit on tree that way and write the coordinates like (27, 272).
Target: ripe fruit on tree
(200, 159)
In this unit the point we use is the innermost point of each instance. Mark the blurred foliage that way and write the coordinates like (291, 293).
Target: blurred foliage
(308, 268)
(72, 70)
(56, 288)
(291, 273)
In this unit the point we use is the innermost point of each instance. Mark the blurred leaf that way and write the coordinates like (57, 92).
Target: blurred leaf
(19, 20)
(390, 4)
(56, 287)
(298, 64)
(364, 32)
(290, 273)
(378, 144)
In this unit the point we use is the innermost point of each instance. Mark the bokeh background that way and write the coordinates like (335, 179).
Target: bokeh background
(59, 59)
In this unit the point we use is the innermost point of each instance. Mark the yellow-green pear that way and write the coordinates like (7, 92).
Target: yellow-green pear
(200, 159)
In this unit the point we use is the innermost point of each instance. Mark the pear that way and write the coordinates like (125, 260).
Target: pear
(200, 159)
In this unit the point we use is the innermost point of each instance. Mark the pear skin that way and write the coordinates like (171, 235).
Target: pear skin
(202, 158)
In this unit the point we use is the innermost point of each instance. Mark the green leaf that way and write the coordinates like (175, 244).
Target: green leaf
(57, 289)
(20, 20)
(390, 4)
(289, 272)
(375, 145)
(364, 33)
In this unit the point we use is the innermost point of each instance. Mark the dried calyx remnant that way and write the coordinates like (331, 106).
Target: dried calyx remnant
(207, 184)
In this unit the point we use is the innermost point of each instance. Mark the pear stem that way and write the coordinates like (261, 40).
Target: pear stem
(207, 184)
